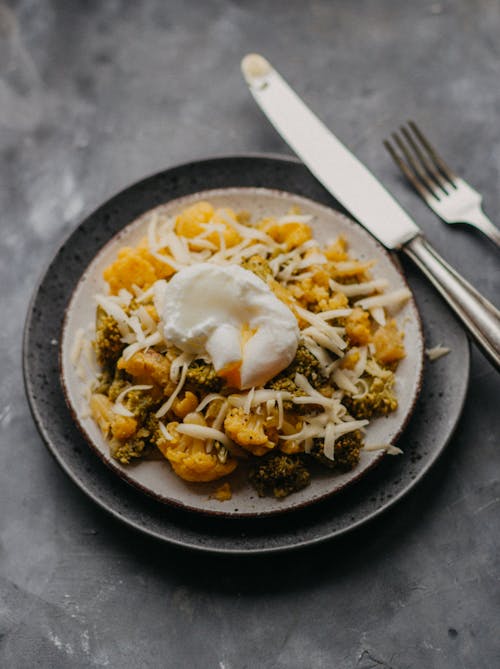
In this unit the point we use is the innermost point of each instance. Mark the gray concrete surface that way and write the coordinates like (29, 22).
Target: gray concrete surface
(94, 95)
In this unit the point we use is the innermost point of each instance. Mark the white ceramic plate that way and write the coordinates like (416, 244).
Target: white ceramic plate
(155, 477)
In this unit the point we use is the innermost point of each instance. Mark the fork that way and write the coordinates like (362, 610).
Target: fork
(449, 196)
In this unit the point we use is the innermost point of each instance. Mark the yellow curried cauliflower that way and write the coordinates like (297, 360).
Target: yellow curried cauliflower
(290, 234)
(357, 327)
(248, 430)
(337, 250)
(135, 267)
(310, 295)
(182, 407)
(149, 368)
(111, 424)
(188, 455)
(161, 268)
(192, 222)
(388, 340)
(128, 269)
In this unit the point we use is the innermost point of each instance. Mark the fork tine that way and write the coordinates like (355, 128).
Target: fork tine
(408, 173)
(430, 168)
(434, 155)
(416, 167)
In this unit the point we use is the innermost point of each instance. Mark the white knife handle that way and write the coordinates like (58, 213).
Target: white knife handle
(480, 317)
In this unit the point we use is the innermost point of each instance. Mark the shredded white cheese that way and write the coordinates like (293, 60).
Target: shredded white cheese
(394, 299)
(388, 448)
(204, 432)
(118, 407)
(436, 352)
(167, 405)
(76, 349)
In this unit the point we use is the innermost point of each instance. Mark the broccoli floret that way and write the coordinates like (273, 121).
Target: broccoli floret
(108, 343)
(259, 266)
(111, 382)
(285, 383)
(346, 452)
(140, 403)
(279, 475)
(201, 377)
(304, 363)
(119, 381)
(103, 383)
(125, 451)
(378, 401)
(152, 429)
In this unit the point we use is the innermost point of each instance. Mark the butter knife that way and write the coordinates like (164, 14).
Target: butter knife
(355, 187)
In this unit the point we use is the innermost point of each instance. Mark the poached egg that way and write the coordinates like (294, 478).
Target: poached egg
(227, 315)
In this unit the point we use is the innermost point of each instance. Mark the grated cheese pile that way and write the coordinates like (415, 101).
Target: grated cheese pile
(154, 395)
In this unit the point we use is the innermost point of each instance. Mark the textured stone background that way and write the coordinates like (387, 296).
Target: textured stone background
(93, 96)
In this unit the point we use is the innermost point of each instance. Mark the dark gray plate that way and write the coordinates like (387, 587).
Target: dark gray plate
(430, 428)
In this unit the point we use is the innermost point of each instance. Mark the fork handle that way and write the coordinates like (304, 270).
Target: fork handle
(480, 317)
(480, 221)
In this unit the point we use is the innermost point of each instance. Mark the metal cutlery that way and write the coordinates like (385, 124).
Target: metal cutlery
(449, 196)
(351, 183)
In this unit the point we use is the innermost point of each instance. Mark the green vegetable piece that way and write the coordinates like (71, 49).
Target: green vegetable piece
(279, 475)
(346, 452)
(378, 401)
(108, 343)
(125, 451)
(201, 378)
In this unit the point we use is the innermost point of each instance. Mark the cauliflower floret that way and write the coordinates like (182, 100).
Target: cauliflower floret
(189, 222)
(314, 292)
(128, 269)
(149, 368)
(192, 222)
(357, 327)
(231, 237)
(161, 268)
(111, 424)
(337, 250)
(291, 235)
(291, 425)
(248, 430)
(189, 458)
(389, 347)
(188, 403)
(311, 295)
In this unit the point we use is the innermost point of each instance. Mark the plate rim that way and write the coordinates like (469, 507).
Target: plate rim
(119, 515)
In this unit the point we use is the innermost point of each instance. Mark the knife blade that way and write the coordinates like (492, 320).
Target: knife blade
(355, 187)
(340, 172)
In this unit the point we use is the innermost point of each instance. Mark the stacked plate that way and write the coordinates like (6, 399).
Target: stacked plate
(147, 496)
